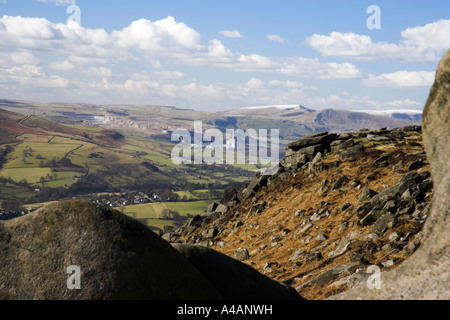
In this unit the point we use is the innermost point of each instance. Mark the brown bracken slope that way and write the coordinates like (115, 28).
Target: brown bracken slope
(318, 227)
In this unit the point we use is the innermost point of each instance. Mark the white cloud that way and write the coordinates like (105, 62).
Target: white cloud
(99, 72)
(21, 78)
(80, 56)
(275, 38)
(162, 36)
(58, 2)
(231, 34)
(62, 65)
(17, 58)
(401, 79)
(404, 104)
(162, 42)
(293, 84)
(418, 44)
(157, 75)
(31, 82)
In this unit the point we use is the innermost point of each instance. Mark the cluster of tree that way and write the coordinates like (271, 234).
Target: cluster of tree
(23, 183)
(12, 205)
(3, 154)
(54, 162)
(26, 153)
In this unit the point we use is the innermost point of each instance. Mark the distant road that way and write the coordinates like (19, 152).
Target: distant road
(24, 119)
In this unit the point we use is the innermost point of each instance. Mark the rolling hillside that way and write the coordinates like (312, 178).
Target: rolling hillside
(42, 160)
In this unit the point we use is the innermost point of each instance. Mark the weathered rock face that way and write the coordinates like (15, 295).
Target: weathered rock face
(118, 257)
(425, 275)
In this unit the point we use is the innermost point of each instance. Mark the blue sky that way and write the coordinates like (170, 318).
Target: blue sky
(217, 55)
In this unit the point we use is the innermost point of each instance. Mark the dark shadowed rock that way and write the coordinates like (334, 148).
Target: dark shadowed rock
(329, 275)
(234, 279)
(118, 257)
(315, 139)
(415, 165)
(212, 207)
(339, 183)
(229, 194)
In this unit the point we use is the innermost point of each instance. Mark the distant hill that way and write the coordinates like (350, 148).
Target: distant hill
(332, 120)
(14, 124)
(412, 115)
(293, 121)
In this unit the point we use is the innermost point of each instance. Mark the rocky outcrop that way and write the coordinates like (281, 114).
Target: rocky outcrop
(117, 257)
(319, 225)
(425, 275)
(305, 149)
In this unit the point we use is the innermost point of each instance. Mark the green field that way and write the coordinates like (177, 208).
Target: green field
(188, 207)
(145, 211)
(67, 161)
(152, 212)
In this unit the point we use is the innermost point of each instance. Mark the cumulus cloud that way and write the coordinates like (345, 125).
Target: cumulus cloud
(156, 87)
(157, 75)
(17, 58)
(160, 42)
(401, 79)
(293, 84)
(420, 44)
(76, 57)
(21, 77)
(275, 38)
(58, 2)
(231, 34)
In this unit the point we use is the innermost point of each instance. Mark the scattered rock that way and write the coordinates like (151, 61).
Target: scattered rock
(398, 166)
(383, 223)
(241, 254)
(415, 165)
(388, 263)
(321, 237)
(296, 255)
(366, 194)
(339, 183)
(329, 275)
(381, 162)
(371, 217)
(362, 210)
(313, 256)
(374, 137)
(342, 247)
(345, 206)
